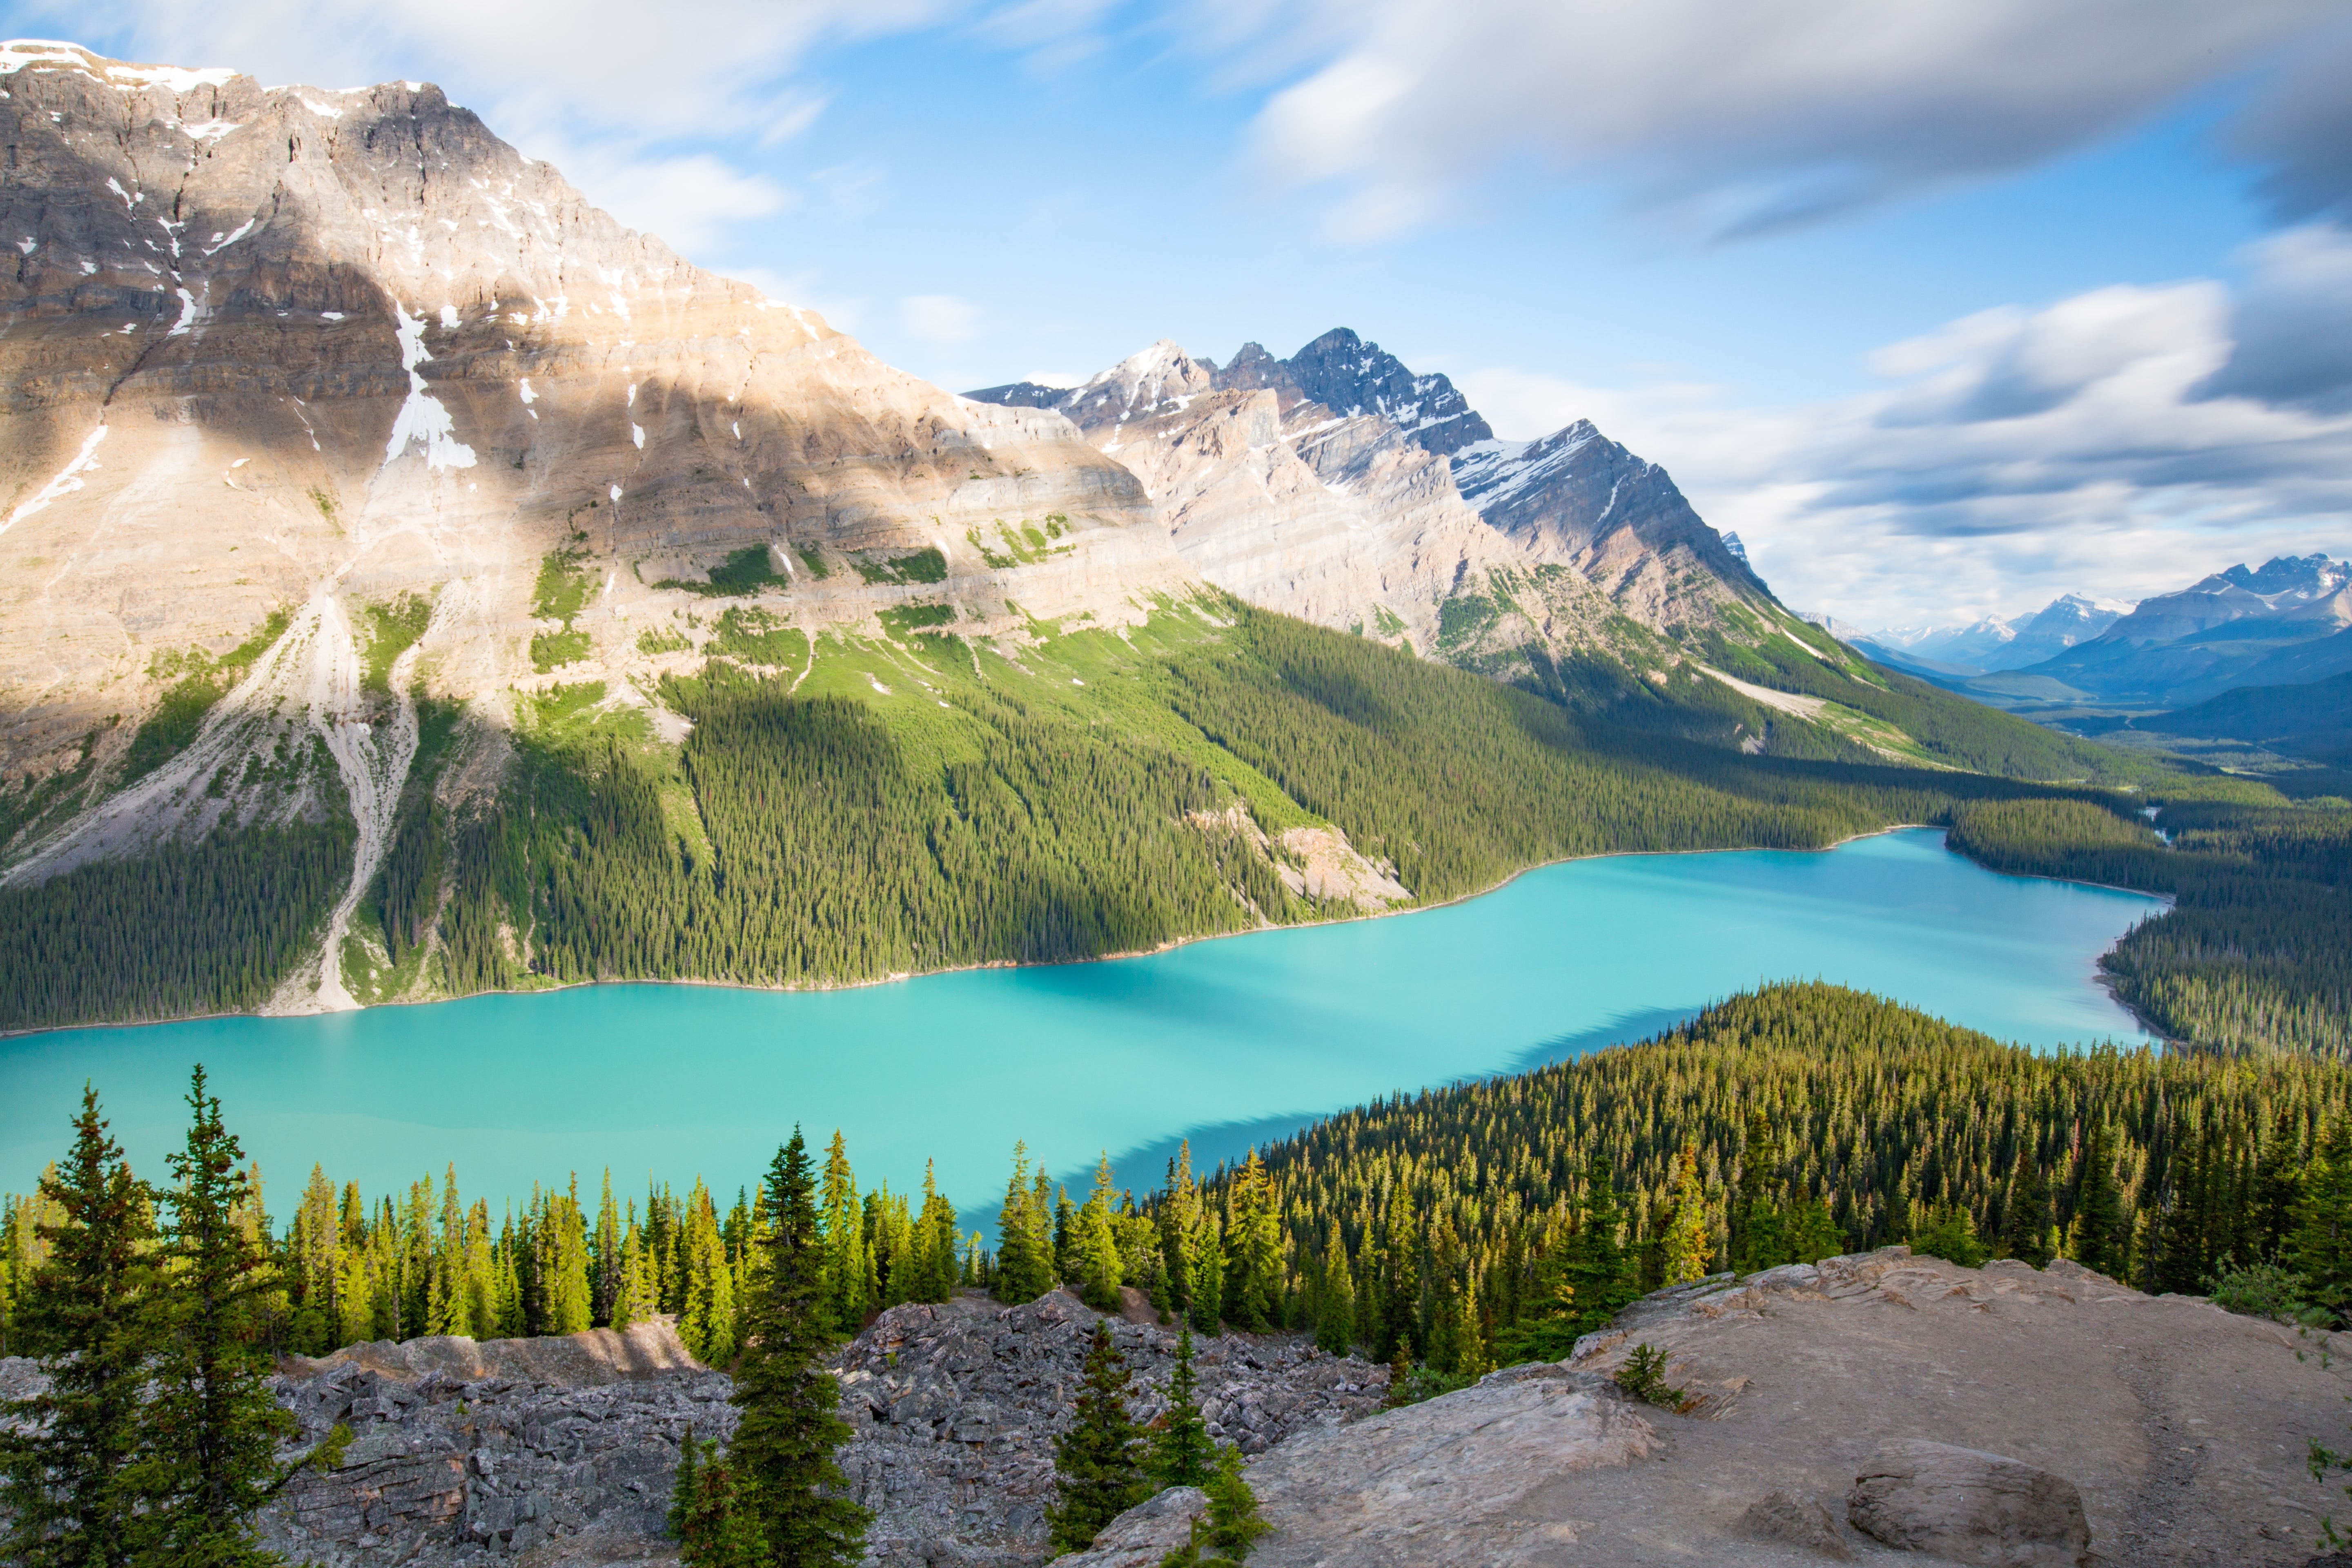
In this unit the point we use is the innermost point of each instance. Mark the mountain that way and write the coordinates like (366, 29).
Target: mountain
(415, 583)
(2233, 628)
(2312, 719)
(1338, 486)
(1995, 643)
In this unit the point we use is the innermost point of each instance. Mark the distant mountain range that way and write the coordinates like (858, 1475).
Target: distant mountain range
(1992, 643)
(2251, 654)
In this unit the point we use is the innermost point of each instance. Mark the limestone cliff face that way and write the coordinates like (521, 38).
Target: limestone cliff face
(1339, 521)
(284, 350)
(1338, 486)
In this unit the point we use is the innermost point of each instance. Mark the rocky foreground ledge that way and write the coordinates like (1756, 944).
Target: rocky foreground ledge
(1854, 1411)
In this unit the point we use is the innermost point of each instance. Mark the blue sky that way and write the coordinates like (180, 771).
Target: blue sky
(1946, 309)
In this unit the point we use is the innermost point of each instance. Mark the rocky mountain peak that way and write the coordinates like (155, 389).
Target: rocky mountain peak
(1350, 377)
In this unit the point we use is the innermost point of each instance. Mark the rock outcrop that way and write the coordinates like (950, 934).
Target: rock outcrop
(562, 1450)
(1880, 1408)
(2060, 1412)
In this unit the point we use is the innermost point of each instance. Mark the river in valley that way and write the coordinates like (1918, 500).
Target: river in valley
(1225, 1042)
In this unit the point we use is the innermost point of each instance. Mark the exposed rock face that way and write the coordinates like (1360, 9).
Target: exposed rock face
(1340, 487)
(1353, 378)
(2149, 1430)
(565, 1448)
(1970, 1507)
(286, 348)
(1580, 498)
(1336, 519)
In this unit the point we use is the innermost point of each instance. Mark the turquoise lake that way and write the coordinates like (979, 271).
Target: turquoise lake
(1226, 1042)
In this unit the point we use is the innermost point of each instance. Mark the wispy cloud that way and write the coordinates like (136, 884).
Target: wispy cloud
(939, 318)
(1720, 118)
(2123, 440)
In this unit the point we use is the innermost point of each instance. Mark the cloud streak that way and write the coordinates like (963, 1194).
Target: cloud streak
(1721, 119)
(2123, 440)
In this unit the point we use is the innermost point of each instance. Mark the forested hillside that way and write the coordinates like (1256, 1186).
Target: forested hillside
(852, 810)
(848, 810)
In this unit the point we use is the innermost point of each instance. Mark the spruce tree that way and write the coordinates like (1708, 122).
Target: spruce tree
(1179, 1221)
(1252, 1281)
(1757, 1239)
(1335, 1319)
(1208, 1250)
(2321, 1247)
(1222, 1534)
(1024, 1265)
(69, 1481)
(2025, 1221)
(1686, 1251)
(1181, 1453)
(785, 1446)
(1099, 1265)
(1095, 1462)
(937, 1221)
(1400, 1280)
(2102, 1238)
(841, 1220)
(213, 1427)
(709, 1513)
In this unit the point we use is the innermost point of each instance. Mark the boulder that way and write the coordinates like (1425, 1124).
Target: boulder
(1970, 1507)
(1800, 1521)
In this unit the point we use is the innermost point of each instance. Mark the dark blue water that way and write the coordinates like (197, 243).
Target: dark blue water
(1226, 1042)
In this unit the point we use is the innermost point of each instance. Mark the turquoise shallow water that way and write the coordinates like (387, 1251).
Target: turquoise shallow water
(1228, 1041)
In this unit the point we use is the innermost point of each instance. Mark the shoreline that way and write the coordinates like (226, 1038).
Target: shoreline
(1165, 947)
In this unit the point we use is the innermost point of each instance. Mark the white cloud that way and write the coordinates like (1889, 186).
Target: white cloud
(2011, 455)
(939, 318)
(690, 200)
(1720, 116)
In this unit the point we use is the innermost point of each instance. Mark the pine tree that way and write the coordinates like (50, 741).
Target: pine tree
(708, 1513)
(1253, 1282)
(2102, 1237)
(1095, 1462)
(1335, 1321)
(842, 1218)
(69, 1480)
(1023, 1264)
(213, 1427)
(785, 1447)
(2025, 1221)
(1181, 1453)
(1099, 1272)
(1686, 1250)
(2322, 1244)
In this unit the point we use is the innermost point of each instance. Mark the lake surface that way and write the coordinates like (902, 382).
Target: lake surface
(1229, 1042)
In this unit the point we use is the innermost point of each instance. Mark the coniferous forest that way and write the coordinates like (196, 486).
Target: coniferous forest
(814, 839)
